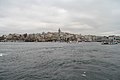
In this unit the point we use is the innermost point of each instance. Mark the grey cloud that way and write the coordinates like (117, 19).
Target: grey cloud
(77, 16)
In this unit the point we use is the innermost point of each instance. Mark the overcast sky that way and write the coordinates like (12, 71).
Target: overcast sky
(99, 17)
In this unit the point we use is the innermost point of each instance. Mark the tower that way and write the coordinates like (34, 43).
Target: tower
(59, 31)
(59, 34)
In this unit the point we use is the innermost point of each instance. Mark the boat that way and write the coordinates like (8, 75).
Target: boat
(109, 42)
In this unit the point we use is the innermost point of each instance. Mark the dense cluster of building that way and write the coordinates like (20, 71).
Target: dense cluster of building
(54, 37)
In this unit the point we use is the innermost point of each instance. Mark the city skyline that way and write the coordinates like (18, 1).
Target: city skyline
(95, 17)
(55, 37)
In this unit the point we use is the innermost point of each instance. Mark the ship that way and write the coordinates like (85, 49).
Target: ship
(111, 40)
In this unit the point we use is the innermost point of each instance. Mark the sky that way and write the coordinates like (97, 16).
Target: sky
(95, 17)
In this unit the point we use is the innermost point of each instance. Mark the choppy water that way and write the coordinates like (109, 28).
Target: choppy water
(59, 61)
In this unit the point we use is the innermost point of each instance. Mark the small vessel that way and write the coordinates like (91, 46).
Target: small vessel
(109, 42)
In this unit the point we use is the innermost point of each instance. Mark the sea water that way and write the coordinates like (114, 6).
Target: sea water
(59, 61)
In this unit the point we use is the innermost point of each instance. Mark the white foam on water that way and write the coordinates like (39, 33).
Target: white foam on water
(1, 54)
(84, 72)
(83, 75)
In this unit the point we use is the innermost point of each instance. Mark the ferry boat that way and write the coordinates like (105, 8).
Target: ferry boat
(111, 40)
